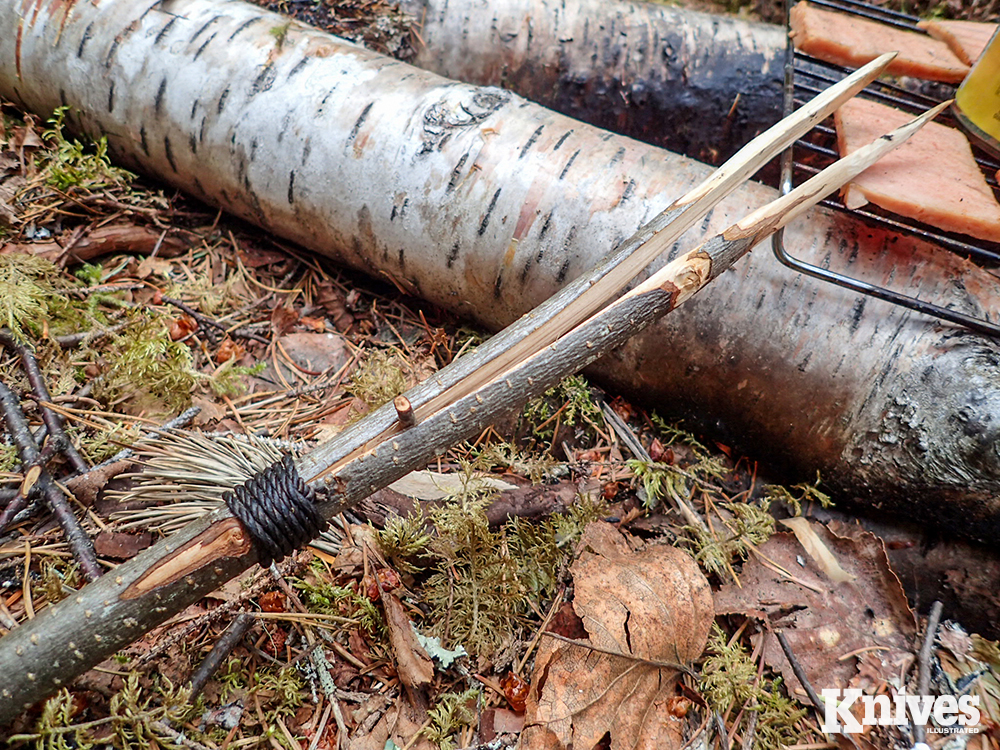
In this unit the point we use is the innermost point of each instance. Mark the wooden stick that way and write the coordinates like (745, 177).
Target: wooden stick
(69, 637)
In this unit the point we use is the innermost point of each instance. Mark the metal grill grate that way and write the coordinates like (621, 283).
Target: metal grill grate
(806, 76)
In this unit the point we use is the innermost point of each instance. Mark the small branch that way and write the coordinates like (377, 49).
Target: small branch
(27, 449)
(799, 672)
(58, 439)
(222, 648)
(924, 664)
(211, 322)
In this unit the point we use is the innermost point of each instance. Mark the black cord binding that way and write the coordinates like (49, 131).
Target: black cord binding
(278, 510)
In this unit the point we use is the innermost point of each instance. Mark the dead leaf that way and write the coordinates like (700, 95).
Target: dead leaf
(824, 620)
(818, 551)
(283, 319)
(433, 485)
(413, 665)
(651, 604)
(120, 545)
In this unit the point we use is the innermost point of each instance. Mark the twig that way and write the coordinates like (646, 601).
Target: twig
(924, 665)
(222, 648)
(211, 322)
(30, 456)
(58, 439)
(720, 727)
(799, 673)
(628, 437)
(612, 652)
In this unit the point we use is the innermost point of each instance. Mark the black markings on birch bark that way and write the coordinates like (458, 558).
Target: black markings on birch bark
(562, 139)
(243, 27)
(531, 141)
(569, 164)
(160, 92)
(629, 190)
(563, 270)
(456, 173)
(306, 150)
(222, 100)
(357, 125)
(298, 67)
(192, 143)
(201, 130)
(143, 143)
(164, 31)
(112, 50)
(87, 33)
(486, 219)
(111, 97)
(203, 28)
(525, 270)
(402, 259)
(253, 149)
(205, 44)
(291, 187)
(619, 155)
(453, 255)
(545, 228)
(264, 81)
(62, 98)
(194, 108)
(169, 152)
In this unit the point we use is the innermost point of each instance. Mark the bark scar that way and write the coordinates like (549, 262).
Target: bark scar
(223, 539)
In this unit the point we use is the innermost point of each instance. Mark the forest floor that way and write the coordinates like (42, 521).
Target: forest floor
(451, 610)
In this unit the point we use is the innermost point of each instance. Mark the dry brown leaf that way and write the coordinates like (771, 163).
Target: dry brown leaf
(818, 551)
(413, 665)
(833, 628)
(651, 604)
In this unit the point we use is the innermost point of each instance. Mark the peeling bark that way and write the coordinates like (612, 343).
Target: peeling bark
(484, 203)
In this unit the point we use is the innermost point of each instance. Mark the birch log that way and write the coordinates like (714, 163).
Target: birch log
(694, 83)
(484, 203)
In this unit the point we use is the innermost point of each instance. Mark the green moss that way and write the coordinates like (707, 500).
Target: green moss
(743, 525)
(569, 403)
(404, 542)
(26, 293)
(798, 494)
(451, 713)
(136, 715)
(380, 378)
(147, 369)
(729, 681)
(325, 598)
(69, 163)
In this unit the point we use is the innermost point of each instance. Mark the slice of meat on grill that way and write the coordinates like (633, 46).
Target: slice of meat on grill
(932, 178)
(851, 41)
(967, 39)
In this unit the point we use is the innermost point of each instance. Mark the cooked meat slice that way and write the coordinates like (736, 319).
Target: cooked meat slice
(967, 39)
(851, 41)
(932, 178)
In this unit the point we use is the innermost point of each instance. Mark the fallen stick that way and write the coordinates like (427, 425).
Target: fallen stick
(69, 637)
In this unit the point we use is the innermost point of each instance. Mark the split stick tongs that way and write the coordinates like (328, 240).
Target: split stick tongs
(287, 504)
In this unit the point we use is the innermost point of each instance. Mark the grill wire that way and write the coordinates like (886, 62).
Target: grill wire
(818, 149)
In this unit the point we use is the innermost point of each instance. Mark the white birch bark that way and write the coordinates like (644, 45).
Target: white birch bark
(484, 203)
(694, 83)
